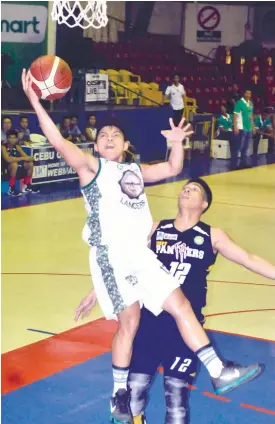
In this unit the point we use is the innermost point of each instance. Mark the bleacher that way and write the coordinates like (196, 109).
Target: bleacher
(147, 66)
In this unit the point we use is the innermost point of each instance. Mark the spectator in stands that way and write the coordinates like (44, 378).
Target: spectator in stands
(19, 164)
(77, 91)
(269, 129)
(243, 128)
(91, 131)
(23, 131)
(75, 131)
(224, 124)
(175, 93)
(234, 97)
(258, 124)
(225, 129)
(65, 128)
(6, 126)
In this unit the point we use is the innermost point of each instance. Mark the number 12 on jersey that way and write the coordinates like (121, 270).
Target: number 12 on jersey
(180, 270)
(184, 365)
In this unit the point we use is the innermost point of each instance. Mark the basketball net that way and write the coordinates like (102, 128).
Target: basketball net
(84, 14)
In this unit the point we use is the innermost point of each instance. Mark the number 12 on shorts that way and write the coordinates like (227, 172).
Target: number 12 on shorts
(179, 270)
(183, 366)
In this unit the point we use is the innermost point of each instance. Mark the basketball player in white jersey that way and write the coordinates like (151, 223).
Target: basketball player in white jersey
(125, 271)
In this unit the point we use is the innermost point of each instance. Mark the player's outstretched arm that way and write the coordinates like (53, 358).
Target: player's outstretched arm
(230, 250)
(171, 168)
(74, 157)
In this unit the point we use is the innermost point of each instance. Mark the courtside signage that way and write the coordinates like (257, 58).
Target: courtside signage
(23, 23)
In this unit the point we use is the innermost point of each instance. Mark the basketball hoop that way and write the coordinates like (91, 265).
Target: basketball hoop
(84, 14)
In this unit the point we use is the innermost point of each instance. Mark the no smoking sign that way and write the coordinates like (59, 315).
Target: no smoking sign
(209, 18)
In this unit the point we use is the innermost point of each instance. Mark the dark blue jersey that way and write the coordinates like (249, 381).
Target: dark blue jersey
(189, 256)
(12, 151)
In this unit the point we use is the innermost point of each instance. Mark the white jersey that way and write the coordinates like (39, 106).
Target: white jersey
(118, 212)
(176, 93)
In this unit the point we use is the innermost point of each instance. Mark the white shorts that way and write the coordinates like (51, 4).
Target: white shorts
(123, 278)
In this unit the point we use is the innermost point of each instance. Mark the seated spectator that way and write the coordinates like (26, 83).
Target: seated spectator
(75, 131)
(6, 126)
(23, 131)
(65, 128)
(269, 129)
(19, 164)
(91, 131)
(224, 125)
(258, 125)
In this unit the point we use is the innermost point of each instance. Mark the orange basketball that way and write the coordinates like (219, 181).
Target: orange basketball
(51, 76)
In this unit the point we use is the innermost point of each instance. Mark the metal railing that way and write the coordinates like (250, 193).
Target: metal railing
(136, 93)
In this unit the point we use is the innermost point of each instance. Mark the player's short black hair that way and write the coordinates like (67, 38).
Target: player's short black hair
(206, 189)
(11, 132)
(112, 122)
(6, 117)
(176, 74)
(73, 116)
(91, 114)
(24, 117)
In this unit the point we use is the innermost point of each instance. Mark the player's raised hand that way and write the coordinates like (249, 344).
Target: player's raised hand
(177, 133)
(27, 86)
(85, 306)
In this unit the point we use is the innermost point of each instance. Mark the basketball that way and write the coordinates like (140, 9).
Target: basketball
(51, 76)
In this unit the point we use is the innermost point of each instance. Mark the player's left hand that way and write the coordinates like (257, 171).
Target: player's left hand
(177, 133)
(85, 306)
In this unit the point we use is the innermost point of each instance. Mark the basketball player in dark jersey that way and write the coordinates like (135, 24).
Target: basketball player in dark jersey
(18, 163)
(188, 248)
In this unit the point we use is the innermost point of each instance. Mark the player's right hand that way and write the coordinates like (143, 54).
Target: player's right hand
(236, 131)
(27, 86)
(85, 306)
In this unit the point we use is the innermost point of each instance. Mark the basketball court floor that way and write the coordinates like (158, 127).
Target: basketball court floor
(55, 371)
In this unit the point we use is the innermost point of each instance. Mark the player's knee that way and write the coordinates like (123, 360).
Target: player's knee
(129, 325)
(13, 166)
(181, 307)
(139, 385)
(29, 165)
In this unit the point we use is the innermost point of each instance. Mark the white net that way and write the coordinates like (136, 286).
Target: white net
(85, 14)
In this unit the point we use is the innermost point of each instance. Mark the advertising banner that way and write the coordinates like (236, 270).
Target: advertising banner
(97, 88)
(49, 165)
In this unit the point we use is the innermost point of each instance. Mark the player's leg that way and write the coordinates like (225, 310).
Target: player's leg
(224, 376)
(180, 366)
(28, 167)
(122, 346)
(12, 179)
(145, 361)
(118, 298)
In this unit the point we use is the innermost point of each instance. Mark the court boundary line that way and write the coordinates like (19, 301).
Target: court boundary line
(89, 275)
(238, 312)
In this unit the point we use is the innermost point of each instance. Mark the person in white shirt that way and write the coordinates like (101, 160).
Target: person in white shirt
(175, 93)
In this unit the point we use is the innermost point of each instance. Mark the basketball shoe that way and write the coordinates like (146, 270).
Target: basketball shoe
(120, 412)
(233, 375)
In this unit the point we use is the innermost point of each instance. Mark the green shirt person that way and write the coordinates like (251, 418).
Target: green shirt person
(243, 114)
(258, 121)
(224, 121)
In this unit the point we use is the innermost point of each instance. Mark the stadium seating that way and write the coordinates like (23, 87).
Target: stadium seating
(155, 61)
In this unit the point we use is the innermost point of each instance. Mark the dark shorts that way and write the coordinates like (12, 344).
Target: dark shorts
(21, 171)
(159, 343)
